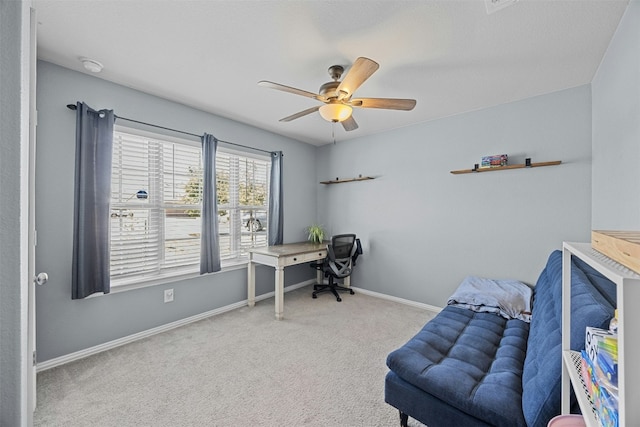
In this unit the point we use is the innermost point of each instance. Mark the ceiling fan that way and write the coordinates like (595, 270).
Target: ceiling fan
(336, 96)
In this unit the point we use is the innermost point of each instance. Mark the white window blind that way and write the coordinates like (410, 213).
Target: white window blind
(243, 198)
(156, 198)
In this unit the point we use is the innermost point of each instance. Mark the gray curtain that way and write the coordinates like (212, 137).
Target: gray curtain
(92, 194)
(209, 247)
(275, 200)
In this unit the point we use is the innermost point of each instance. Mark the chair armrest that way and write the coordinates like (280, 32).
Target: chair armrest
(357, 252)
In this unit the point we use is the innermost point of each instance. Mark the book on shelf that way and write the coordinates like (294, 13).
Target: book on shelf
(599, 370)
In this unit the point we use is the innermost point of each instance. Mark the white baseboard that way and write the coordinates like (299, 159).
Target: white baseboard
(71, 357)
(423, 306)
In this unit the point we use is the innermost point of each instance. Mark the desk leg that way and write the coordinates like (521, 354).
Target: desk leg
(251, 284)
(279, 292)
(346, 282)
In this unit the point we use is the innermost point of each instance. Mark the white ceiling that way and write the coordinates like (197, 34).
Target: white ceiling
(449, 55)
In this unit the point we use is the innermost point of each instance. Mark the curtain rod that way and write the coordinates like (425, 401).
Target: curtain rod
(75, 107)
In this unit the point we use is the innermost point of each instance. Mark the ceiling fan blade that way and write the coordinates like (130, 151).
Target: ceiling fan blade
(300, 114)
(360, 71)
(385, 103)
(349, 124)
(289, 89)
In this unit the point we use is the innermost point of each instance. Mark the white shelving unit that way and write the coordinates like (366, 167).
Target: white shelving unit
(628, 297)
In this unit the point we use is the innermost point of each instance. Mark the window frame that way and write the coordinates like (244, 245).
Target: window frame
(165, 276)
(238, 224)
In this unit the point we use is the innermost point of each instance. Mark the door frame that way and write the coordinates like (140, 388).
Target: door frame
(32, 234)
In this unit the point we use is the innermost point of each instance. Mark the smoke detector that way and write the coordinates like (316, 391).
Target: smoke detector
(496, 5)
(91, 65)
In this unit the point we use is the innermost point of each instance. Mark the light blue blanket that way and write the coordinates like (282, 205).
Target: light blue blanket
(510, 299)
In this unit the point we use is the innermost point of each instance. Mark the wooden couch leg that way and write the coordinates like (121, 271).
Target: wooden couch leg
(404, 419)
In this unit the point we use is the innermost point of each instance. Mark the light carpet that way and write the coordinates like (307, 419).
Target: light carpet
(323, 365)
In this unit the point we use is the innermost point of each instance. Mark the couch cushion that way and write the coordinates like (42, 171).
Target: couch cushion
(472, 361)
(605, 286)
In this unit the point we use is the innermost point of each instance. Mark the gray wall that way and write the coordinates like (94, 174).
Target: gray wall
(424, 229)
(14, 131)
(65, 326)
(616, 129)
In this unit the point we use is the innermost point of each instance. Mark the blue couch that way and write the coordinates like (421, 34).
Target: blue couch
(479, 369)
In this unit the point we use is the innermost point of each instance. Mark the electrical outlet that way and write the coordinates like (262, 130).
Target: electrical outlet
(168, 295)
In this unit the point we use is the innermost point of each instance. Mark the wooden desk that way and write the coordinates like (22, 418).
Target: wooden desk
(279, 257)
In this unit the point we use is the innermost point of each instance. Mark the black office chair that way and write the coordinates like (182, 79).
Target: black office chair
(342, 254)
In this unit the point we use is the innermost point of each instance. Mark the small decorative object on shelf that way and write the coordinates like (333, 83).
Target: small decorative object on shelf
(613, 323)
(316, 233)
(495, 161)
(527, 162)
(500, 168)
(340, 181)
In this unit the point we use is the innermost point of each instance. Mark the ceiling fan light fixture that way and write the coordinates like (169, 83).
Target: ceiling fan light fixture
(336, 95)
(335, 112)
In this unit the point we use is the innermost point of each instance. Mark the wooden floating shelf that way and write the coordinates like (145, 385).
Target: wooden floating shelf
(342, 181)
(501, 168)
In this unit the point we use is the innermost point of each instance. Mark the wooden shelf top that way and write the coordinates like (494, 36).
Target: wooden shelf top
(501, 168)
(341, 181)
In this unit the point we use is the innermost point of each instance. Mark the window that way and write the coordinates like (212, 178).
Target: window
(243, 198)
(156, 198)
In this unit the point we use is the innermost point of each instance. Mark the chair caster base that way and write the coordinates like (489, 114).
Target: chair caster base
(331, 287)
